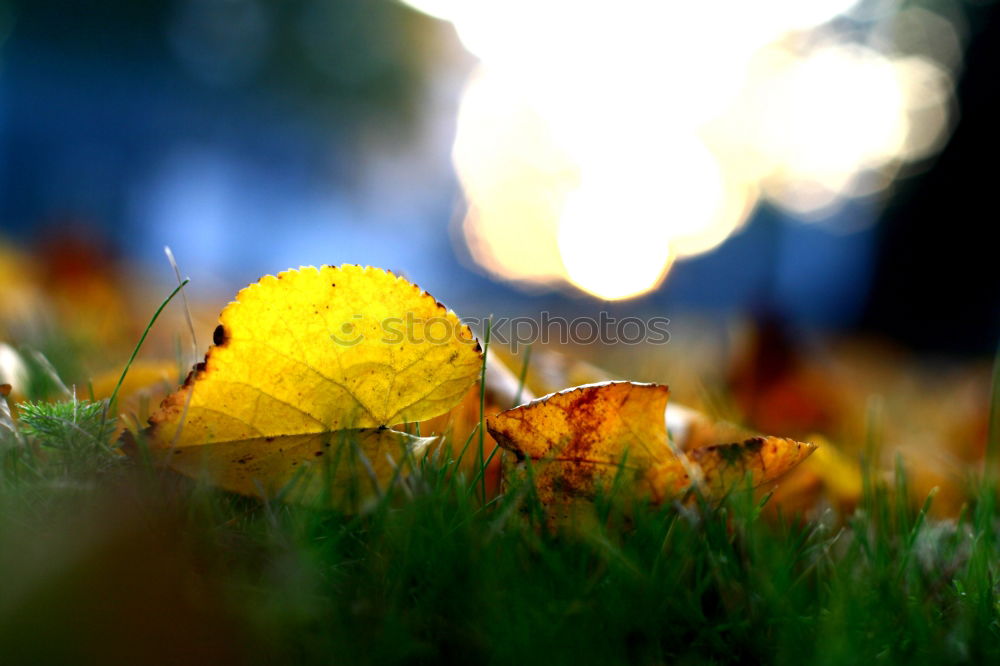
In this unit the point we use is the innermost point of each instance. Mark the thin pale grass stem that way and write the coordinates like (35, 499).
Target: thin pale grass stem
(482, 407)
(523, 376)
(184, 300)
(194, 346)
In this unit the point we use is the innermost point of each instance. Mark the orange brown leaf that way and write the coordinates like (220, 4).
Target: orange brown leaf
(578, 443)
(723, 467)
(596, 423)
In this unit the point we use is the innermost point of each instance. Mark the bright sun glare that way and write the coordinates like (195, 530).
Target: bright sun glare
(597, 142)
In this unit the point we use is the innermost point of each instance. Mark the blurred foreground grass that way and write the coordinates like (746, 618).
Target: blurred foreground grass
(108, 560)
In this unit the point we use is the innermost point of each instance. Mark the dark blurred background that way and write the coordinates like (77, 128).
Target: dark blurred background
(256, 135)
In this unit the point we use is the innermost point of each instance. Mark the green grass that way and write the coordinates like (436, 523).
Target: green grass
(109, 560)
(105, 559)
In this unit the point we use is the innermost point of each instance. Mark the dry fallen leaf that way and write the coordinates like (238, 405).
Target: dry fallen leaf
(582, 441)
(346, 350)
(343, 468)
(594, 423)
(724, 466)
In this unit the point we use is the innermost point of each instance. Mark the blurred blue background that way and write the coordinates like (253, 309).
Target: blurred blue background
(253, 135)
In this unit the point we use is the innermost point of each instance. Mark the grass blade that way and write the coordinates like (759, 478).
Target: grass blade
(135, 352)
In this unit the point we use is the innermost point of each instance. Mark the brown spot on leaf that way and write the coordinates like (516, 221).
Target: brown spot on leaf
(220, 336)
(195, 371)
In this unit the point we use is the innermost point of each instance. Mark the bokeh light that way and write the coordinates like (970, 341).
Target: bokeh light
(598, 142)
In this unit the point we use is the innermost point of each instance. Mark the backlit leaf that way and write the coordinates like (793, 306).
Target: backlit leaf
(587, 440)
(309, 353)
(314, 350)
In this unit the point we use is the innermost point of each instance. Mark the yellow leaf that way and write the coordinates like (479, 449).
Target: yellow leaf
(582, 441)
(840, 473)
(314, 350)
(346, 468)
(723, 467)
(317, 354)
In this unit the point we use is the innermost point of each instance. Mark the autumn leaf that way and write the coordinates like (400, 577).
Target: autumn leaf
(723, 467)
(142, 376)
(828, 471)
(596, 423)
(583, 440)
(344, 468)
(308, 353)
